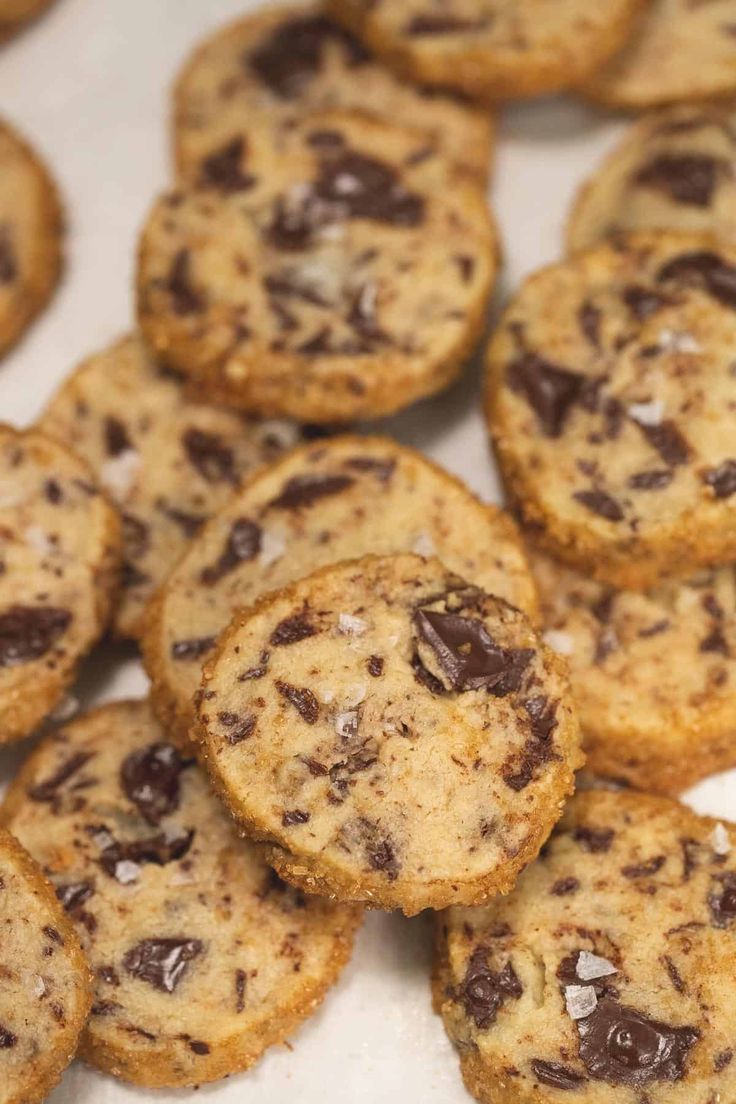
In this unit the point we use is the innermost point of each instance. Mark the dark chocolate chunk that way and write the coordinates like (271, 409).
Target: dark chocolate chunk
(292, 55)
(29, 632)
(241, 982)
(589, 320)
(162, 963)
(375, 666)
(292, 629)
(722, 479)
(722, 1060)
(468, 656)
(704, 270)
(722, 901)
(361, 187)
(53, 492)
(302, 699)
(304, 490)
(675, 976)
(238, 727)
(295, 816)
(556, 1075)
(116, 437)
(382, 857)
(688, 178)
(209, 455)
(669, 442)
(601, 503)
(643, 302)
(74, 894)
(185, 299)
(242, 545)
(7, 1038)
(47, 790)
(563, 887)
(198, 1047)
(483, 991)
(8, 257)
(622, 1046)
(118, 858)
(192, 649)
(150, 778)
(426, 678)
(551, 391)
(223, 170)
(654, 480)
(595, 840)
(644, 869)
(431, 24)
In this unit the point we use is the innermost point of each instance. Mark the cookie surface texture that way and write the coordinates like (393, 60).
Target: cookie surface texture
(278, 66)
(202, 959)
(30, 235)
(396, 736)
(45, 990)
(652, 674)
(60, 557)
(610, 393)
(602, 977)
(346, 278)
(167, 462)
(333, 500)
(493, 50)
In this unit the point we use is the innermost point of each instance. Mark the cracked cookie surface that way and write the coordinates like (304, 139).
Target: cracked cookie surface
(332, 500)
(280, 65)
(492, 49)
(201, 957)
(394, 735)
(44, 981)
(346, 277)
(603, 977)
(59, 561)
(610, 399)
(166, 462)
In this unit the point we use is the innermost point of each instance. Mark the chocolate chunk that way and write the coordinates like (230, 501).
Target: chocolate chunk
(305, 490)
(722, 901)
(466, 266)
(291, 230)
(241, 981)
(74, 894)
(551, 391)
(239, 727)
(7, 1038)
(53, 492)
(292, 56)
(482, 991)
(375, 666)
(116, 437)
(194, 648)
(715, 641)
(674, 974)
(150, 778)
(382, 469)
(563, 887)
(256, 672)
(688, 178)
(223, 170)
(589, 320)
(468, 655)
(242, 545)
(294, 816)
(162, 963)
(601, 503)
(669, 442)
(361, 187)
(302, 699)
(722, 1060)
(655, 480)
(543, 716)
(426, 678)
(53, 935)
(643, 302)
(8, 257)
(209, 455)
(118, 858)
(556, 1075)
(185, 299)
(704, 270)
(47, 790)
(595, 840)
(382, 857)
(198, 1047)
(644, 869)
(362, 318)
(29, 632)
(624, 1047)
(291, 630)
(428, 24)
(722, 479)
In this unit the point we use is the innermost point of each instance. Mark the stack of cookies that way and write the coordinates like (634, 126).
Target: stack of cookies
(368, 688)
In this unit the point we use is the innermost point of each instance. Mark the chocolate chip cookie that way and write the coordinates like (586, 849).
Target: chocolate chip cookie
(674, 170)
(611, 397)
(14, 14)
(346, 278)
(202, 958)
(395, 735)
(44, 981)
(282, 64)
(604, 977)
(59, 557)
(30, 235)
(653, 674)
(682, 50)
(329, 501)
(492, 49)
(166, 462)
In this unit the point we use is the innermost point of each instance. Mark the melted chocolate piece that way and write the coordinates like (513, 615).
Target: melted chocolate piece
(162, 963)
(222, 169)
(468, 655)
(291, 630)
(304, 490)
(722, 479)
(360, 187)
(116, 437)
(722, 901)
(185, 299)
(292, 56)
(601, 503)
(704, 270)
(551, 391)
(556, 1075)
(482, 991)
(302, 699)
(150, 778)
(8, 258)
(47, 790)
(688, 178)
(194, 648)
(209, 455)
(242, 545)
(624, 1047)
(29, 632)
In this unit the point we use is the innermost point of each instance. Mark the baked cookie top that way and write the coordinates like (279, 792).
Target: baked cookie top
(281, 64)
(332, 500)
(611, 394)
(653, 674)
(167, 462)
(674, 170)
(681, 51)
(59, 556)
(605, 976)
(30, 234)
(399, 736)
(492, 49)
(201, 957)
(45, 986)
(346, 276)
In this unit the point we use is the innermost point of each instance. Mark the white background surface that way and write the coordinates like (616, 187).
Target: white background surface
(89, 85)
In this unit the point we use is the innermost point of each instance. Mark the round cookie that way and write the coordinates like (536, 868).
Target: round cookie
(202, 958)
(492, 49)
(30, 236)
(167, 462)
(395, 735)
(674, 170)
(605, 977)
(347, 279)
(14, 14)
(681, 51)
(610, 399)
(334, 500)
(281, 64)
(44, 981)
(653, 675)
(58, 574)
